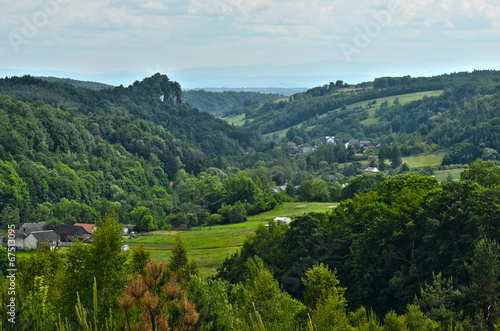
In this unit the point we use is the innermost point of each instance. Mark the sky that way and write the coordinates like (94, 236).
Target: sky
(99, 36)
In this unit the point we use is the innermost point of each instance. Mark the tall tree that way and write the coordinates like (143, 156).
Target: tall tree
(483, 295)
(396, 159)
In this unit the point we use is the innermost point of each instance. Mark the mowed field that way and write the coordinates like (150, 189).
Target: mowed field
(424, 160)
(443, 175)
(211, 245)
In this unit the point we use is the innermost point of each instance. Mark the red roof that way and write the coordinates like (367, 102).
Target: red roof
(88, 227)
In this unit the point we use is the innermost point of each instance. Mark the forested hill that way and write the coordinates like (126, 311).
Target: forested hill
(217, 102)
(155, 99)
(78, 83)
(320, 100)
(455, 112)
(49, 158)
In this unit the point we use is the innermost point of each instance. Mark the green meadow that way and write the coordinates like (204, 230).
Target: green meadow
(424, 160)
(210, 245)
(443, 175)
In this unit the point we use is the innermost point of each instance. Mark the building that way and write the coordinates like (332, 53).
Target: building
(330, 140)
(372, 170)
(24, 231)
(27, 228)
(88, 227)
(351, 142)
(37, 238)
(70, 233)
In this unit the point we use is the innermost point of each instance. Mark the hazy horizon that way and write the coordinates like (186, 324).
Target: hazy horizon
(192, 40)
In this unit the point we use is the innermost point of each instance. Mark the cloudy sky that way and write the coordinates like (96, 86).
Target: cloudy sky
(96, 36)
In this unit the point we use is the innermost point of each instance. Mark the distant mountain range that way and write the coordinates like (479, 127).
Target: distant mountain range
(298, 75)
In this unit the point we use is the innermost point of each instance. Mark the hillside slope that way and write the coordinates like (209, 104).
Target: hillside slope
(155, 99)
(218, 102)
(47, 156)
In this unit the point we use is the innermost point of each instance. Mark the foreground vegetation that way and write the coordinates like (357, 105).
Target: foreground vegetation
(395, 258)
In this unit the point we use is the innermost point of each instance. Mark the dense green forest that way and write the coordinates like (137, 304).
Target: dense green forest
(155, 99)
(218, 102)
(402, 251)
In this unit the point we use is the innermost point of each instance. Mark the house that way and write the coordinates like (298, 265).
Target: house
(69, 233)
(27, 228)
(39, 237)
(291, 144)
(330, 140)
(88, 227)
(351, 142)
(368, 147)
(372, 170)
(364, 142)
(19, 239)
(24, 231)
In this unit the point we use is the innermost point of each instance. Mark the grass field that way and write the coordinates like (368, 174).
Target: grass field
(403, 99)
(211, 245)
(423, 160)
(442, 175)
(237, 120)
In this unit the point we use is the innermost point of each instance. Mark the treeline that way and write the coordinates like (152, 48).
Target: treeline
(155, 99)
(411, 240)
(219, 102)
(78, 83)
(215, 197)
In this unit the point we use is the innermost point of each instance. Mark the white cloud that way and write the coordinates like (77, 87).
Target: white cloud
(249, 31)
